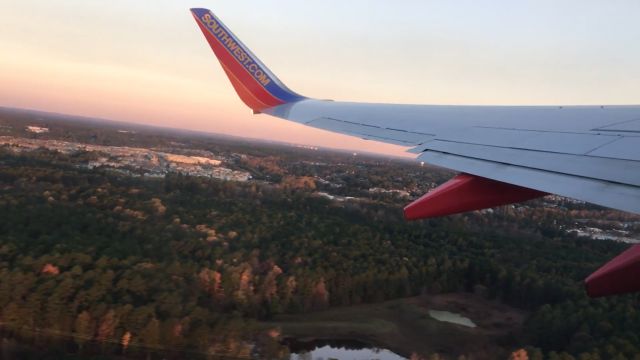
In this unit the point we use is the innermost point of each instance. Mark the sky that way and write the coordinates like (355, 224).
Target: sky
(146, 61)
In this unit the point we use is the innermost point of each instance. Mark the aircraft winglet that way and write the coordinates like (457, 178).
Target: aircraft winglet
(256, 85)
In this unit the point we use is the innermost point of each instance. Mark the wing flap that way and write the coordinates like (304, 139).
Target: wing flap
(624, 148)
(566, 143)
(630, 127)
(550, 141)
(612, 170)
(618, 196)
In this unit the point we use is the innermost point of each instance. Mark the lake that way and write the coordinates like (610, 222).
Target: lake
(338, 349)
(356, 350)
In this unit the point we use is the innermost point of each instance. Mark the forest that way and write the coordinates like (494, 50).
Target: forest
(132, 266)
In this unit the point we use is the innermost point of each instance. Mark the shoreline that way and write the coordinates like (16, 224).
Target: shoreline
(404, 326)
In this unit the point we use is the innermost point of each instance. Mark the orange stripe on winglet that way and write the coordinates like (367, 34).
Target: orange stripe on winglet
(245, 95)
(241, 75)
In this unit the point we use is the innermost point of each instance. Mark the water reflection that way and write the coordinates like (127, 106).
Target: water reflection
(338, 349)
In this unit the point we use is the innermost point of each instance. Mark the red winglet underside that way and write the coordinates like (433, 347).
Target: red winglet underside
(466, 193)
(619, 276)
(253, 95)
(256, 85)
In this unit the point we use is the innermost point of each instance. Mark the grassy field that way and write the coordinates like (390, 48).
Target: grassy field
(405, 327)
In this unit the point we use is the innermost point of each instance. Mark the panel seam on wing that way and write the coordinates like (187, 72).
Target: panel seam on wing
(533, 168)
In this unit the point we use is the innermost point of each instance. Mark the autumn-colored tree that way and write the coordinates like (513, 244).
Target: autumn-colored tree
(126, 340)
(520, 354)
(244, 288)
(211, 281)
(287, 290)
(320, 296)
(302, 182)
(107, 326)
(83, 329)
(269, 285)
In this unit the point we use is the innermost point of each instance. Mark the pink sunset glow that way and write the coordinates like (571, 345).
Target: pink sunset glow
(147, 62)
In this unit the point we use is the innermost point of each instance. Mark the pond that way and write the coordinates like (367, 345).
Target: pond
(356, 350)
(453, 318)
(338, 349)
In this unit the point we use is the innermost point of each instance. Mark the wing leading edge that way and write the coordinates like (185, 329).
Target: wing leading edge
(506, 154)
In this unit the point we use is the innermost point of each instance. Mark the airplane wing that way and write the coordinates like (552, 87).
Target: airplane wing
(505, 154)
